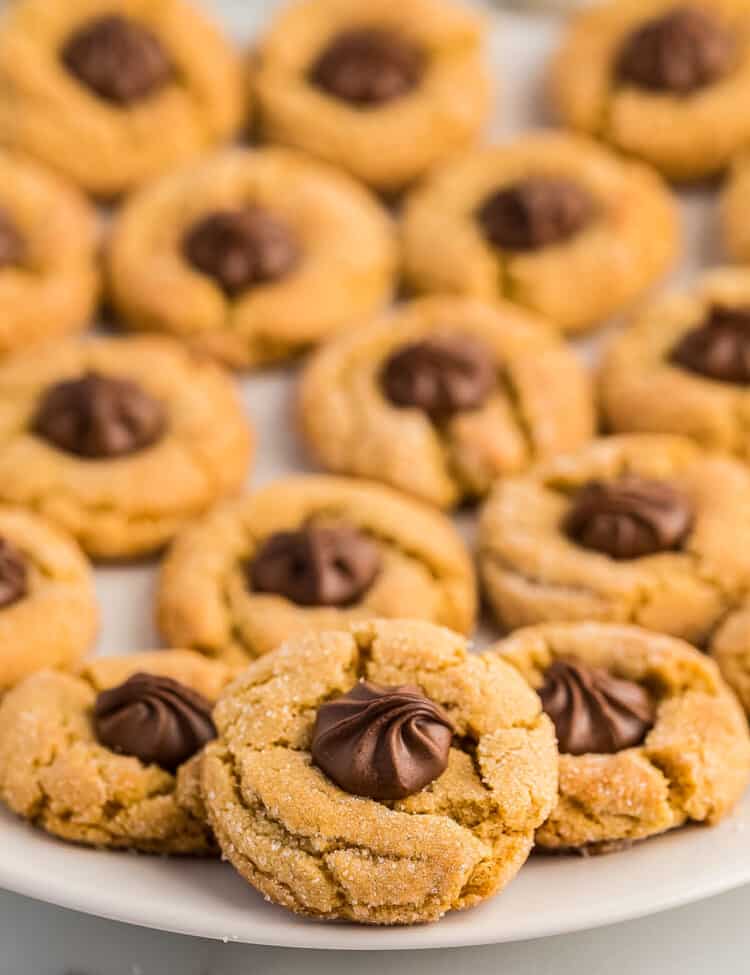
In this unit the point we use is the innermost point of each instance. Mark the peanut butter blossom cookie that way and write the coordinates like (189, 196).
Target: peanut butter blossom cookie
(48, 613)
(650, 736)
(109, 757)
(383, 89)
(49, 280)
(308, 554)
(251, 256)
(119, 441)
(114, 92)
(379, 774)
(632, 529)
(735, 202)
(683, 366)
(660, 79)
(444, 395)
(552, 222)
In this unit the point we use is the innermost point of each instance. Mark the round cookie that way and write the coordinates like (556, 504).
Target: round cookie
(115, 92)
(661, 80)
(119, 441)
(642, 529)
(310, 553)
(56, 771)
(49, 279)
(48, 611)
(683, 366)
(650, 736)
(383, 90)
(323, 850)
(552, 222)
(442, 396)
(251, 255)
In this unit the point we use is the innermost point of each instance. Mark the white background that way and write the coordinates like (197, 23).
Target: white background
(36, 939)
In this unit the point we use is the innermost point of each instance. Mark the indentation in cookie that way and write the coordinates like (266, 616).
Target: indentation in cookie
(97, 416)
(118, 59)
(369, 67)
(535, 212)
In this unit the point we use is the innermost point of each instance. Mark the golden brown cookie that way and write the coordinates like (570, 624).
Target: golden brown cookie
(384, 89)
(671, 744)
(70, 748)
(683, 366)
(251, 255)
(318, 848)
(119, 441)
(442, 396)
(48, 611)
(649, 530)
(310, 553)
(735, 201)
(661, 80)
(49, 279)
(115, 92)
(552, 222)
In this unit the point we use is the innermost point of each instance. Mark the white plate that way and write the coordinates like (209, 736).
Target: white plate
(551, 895)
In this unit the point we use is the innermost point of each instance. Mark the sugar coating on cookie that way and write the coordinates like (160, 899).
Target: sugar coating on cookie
(661, 80)
(318, 850)
(251, 256)
(682, 366)
(550, 221)
(442, 396)
(49, 279)
(694, 761)
(48, 610)
(310, 553)
(119, 441)
(659, 543)
(384, 94)
(112, 95)
(55, 773)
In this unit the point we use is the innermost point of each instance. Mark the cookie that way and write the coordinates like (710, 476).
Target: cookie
(442, 396)
(735, 200)
(640, 529)
(49, 279)
(552, 222)
(48, 611)
(381, 775)
(114, 92)
(119, 441)
(661, 80)
(650, 736)
(310, 553)
(251, 255)
(383, 90)
(683, 366)
(109, 757)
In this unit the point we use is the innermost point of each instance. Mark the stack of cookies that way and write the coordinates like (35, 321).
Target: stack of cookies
(321, 720)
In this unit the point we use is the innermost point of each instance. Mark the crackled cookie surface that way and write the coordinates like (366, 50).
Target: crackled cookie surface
(49, 281)
(442, 396)
(631, 529)
(650, 736)
(251, 255)
(48, 612)
(109, 756)
(683, 366)
(311, 553)
(114, 92)
(660, 79)
(384, 89)
(552, 222)
(119, 441)
(323, 850)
